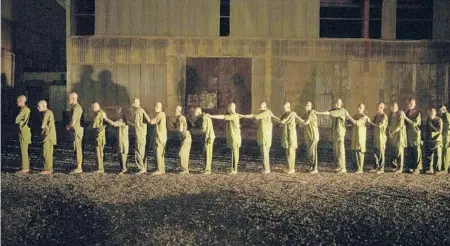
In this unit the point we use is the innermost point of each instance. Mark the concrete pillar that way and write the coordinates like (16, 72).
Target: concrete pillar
(441, 19)
(389, 20)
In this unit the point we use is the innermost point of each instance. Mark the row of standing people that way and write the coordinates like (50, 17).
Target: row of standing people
(403, 130)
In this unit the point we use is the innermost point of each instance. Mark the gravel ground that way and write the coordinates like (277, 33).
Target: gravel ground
(218, 209)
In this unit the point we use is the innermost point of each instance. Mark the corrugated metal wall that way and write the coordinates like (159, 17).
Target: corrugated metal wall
(321, 70)
(153, 18)
(275, 18)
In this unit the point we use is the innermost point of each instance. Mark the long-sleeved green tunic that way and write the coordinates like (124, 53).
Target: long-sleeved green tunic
(398, 129)
(233, 130)
(289, 132)
(359, 133)
(338, 125)
(264, 136)
(123, 140)
(99, 128)
(48, 128)
(160, 129)
(22, 120)
(379, 133)
(311, 127)
(140, 126)
(413, 129)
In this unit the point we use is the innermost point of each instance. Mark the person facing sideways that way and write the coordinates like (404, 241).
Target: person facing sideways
(397, 137)
(48, 135)
(76, 112)
(413, 120)
(359, 133)
(433, 143)
(159, 137)
(123, 144)
(205, 121)
(379, 123)
(181, 126)
(289, 135)
(233, 130)
(339, 115)
(140, 126)
(99, 127)
(445, 116)
(311, 134)
(264, 136)
(21, 121)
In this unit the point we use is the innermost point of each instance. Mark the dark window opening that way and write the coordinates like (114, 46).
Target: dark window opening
(84, 12)
(224, 29)
(414, 19)
(345, 19)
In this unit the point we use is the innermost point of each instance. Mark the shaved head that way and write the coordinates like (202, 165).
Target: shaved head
(308, 105)
(73, 98)
(263, 106)
(432, 113)
(394, 107)
(136, 103)
(197, 111)
(287, 107)
(95, 107)
(411, 103)
(178, 110)
(443, 109)
(21, 100)
(361, 108)
(158, 107)
(231, 108)
(42, 106)
(339, 103)
(380, 107)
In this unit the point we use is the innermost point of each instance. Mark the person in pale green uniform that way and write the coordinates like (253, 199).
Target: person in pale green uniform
(433, 143)
(339, 115)
(359, 136)
(311, 134)
(445, 116)
(208, 137)
(181, 126)
(123, 143)
(289, 135)
(22, 120)
(99, 128)
(159, 138)
(264, 135)
(380, 123)
(140, 126)
(413, 120)
(48, 135)
(397, 137)
(76, 113)
(233, 131)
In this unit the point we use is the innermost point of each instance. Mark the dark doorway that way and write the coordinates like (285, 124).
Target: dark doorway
(213, 83)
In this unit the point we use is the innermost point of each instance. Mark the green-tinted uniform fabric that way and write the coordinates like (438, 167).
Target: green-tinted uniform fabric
(379, 140)
(208, 139)
(433, 144)
(264, 136)
(75, 115)
(48, 139)
(140, 127)
(338, 134)
(289, 137)
(446, 142)
(22, 120)
(159, 141)
(100, 137)
(413, 140)
(185, 142)
(233, 130)
(398, 139)
(359, 136)
(311, 134)
(123, 142)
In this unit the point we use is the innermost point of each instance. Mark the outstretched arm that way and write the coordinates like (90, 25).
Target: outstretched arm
(217, 117)
(299, 119)
(323, 113)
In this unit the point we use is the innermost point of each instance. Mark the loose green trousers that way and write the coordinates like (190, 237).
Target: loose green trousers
(234, 158)
(445, 159)
(414, 158)
(24, 156)
(265, 151)
(99, 151)
(160, 153)
(358, 160)
(312, 155)
(339, 153)
(208, 155)
(47, 153)
(78, 147)
(184, 155)
(379, 155)
(398, 157)
(123, 161)
(434, 158)
(290, 156)
(139, 155)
